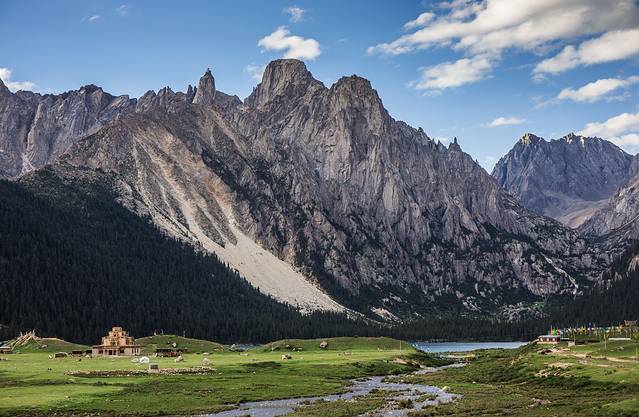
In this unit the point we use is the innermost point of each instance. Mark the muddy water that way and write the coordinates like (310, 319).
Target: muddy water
(358, 388)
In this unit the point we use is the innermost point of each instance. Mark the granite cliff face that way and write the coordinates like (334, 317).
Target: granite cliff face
(568, 178)
(317, 194)
(618, 219)
(36, 129)
(303, 187)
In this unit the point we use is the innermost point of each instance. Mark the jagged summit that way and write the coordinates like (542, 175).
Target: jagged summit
(90, 88)
(289, 70)
(205, 91)
(566, 178)
(573, 138)
(530, 139)
(282, 78)
(454, 146)
(305, 185)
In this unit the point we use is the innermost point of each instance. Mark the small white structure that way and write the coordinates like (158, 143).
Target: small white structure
(145, 359)
(549, 339)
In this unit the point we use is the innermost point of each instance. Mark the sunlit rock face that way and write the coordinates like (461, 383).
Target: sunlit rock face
(36, 129)
(568, 178)
(317, 194)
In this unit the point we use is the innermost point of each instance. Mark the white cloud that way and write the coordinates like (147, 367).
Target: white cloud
(622, 130)
(296, 13)
(596, 90)
(629, 141)
(293, 46)
(444, 140)
(122, 10)
(618, 125)
(93, 18)
(453, 74)
(490, 27)
(495, 25)
(506, 121)
(611, 46)
(421, 20)
(255, 71)
(5, 76)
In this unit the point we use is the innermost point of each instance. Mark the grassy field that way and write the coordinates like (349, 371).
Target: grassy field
(32, 383)
(150, 343)
(591, 380)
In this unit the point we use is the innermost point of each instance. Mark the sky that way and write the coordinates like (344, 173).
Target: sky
(485, 72)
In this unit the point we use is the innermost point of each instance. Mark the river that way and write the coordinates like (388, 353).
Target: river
(438, 347)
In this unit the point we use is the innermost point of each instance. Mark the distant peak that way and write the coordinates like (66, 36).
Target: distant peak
(530, 139)
(571, 137)
(286, 71)
(355, 84)
(454, 146)
(205, 92)
(287, 67)
(90, 88)
(281, 77)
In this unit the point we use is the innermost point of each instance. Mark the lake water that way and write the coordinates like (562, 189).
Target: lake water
(464, 347)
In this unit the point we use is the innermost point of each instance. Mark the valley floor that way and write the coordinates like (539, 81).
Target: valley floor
(591, 380)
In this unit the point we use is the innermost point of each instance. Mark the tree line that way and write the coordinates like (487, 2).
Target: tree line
(74, 262)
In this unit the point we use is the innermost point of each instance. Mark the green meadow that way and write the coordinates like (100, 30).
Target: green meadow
(598, 380)
(590, 380)
(32, 383)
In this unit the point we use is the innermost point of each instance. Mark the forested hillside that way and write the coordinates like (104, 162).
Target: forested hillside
(613, 302)
(74, 263)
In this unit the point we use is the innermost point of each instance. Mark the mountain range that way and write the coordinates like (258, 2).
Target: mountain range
(568, 178)
(322, 200)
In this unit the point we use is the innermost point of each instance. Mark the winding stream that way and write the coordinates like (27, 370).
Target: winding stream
(358, 388)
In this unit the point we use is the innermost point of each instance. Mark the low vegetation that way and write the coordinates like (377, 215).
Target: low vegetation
(34, 384)
(151, 343)
(591, 380)
(597, 379)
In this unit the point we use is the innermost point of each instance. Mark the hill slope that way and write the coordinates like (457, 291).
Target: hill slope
(303, 186)
(75, 262)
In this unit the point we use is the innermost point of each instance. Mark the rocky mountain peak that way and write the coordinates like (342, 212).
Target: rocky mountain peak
(357, 91)
(3, 88)
(567, 178)
(282, 77)
(90, 89)
(530, 139)
(205, 92)
(454, 146)
(572, 138)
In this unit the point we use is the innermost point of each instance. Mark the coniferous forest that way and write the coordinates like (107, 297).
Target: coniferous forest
(74, 262)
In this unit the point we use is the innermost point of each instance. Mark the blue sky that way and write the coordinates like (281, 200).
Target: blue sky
(485, 72)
